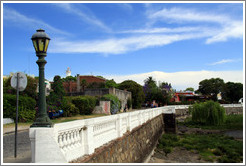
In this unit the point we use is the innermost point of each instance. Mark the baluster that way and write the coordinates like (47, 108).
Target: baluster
(75, 138)
(72, 138)
(69, 139)
(79, 137)
(66, 140)
(60, 142)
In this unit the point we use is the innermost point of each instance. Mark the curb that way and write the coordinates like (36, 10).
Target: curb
(12, 132)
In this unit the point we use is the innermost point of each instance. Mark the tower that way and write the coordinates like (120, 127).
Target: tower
(68, 72)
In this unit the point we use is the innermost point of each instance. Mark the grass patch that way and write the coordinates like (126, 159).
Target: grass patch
(10, 125)
(234, 122)
(77, 117)
(211, 147)
(58, 120)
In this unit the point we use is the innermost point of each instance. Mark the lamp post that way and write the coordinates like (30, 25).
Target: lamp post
(40, 42)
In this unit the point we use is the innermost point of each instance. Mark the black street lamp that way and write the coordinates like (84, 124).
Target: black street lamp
(40, 42)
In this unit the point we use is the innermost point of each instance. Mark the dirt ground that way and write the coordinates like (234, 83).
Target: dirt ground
(178, 155)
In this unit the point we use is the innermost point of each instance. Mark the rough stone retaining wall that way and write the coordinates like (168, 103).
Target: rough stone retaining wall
(228, 110)
(132, 147)
(233, 110)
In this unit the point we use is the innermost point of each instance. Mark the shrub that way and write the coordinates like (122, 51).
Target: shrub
(26, 115)
(69, 109)
(207, 113)
(85, 104)
(115, 104)
(26, 110)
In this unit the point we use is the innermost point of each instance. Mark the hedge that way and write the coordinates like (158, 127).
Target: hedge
(26, 112)
(69, 109)
(85, 104)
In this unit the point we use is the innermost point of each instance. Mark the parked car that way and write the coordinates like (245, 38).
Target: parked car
(55, 114)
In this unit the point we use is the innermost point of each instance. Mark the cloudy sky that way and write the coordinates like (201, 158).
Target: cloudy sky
(179, 43)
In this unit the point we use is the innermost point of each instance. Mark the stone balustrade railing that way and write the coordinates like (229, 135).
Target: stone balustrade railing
(71, 140)
(187, 106)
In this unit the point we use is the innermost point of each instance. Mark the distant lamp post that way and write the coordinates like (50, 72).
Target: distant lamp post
(40, 42)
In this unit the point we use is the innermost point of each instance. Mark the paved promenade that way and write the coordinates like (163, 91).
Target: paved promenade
(23, 146)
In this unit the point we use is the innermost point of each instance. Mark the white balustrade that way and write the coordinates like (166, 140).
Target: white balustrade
(232, 105)
(71, 140)
(80, 137)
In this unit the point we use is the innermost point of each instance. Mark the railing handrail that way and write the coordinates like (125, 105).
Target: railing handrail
(77, 138)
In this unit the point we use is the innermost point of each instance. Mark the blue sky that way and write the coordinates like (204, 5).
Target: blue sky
(179, 43)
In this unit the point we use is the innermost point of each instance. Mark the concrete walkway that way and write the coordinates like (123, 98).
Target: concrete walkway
(23, 144)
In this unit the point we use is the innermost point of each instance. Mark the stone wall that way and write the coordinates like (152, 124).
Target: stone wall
(233, 110)
(229, 110)
(182, 112)
(97, 92)
(132, 147)
(121, 94)
(103, 108)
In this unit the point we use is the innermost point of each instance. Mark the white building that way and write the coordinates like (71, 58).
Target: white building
(68, 72)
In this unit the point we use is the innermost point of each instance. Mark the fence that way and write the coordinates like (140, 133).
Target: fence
(71, 140)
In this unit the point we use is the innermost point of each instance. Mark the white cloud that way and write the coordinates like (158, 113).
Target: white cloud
(165, 30)
(125, 6)
(226, 27)
(224, 61)
(187, 15)
(23, 21)
(86, 16)
(234, 30)
(181, 80)
(118, 46)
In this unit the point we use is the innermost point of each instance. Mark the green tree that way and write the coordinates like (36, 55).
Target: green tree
(152, 92)
(166, 89)
(57, 87)
(30, 90)
(232, 92)
(70, 78)
(190, 89)
(208, 113)
(136, 90)
(150, 89)
(6, 86)
(111, 84)
(56, 96)
(211, 87)
(96, 85)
